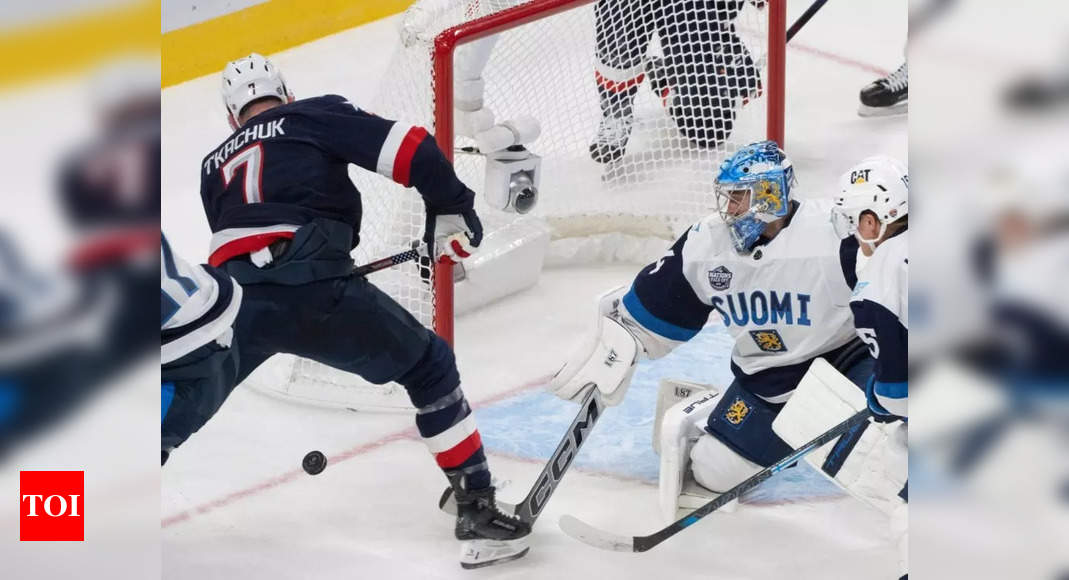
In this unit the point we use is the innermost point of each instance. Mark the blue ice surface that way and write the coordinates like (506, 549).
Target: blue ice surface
(531, 424)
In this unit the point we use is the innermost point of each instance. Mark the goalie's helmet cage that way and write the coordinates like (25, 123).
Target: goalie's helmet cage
(544, 65)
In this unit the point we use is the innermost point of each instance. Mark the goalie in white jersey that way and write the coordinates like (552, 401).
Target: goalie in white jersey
(772, 270)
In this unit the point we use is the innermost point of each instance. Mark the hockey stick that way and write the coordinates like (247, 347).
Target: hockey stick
(592, 536)
(804, 18)
(528, 510)
(389, 261)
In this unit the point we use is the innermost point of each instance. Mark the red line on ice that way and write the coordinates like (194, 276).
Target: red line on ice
(838, 58)
(405, 435)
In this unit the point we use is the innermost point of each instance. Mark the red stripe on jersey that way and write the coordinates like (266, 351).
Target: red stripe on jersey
(245, 245)
(617, 86)
(114, 246)
(402, 164)
(460, 452)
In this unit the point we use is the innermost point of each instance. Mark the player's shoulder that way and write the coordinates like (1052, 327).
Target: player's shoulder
(326, 103)
(708, 237)
(892, 254)
(883, 278)
(810, 232)
(814, 210)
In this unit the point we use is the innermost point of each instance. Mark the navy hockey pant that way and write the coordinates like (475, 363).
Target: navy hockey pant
(192, 390)
(743, 421)
(350, 325)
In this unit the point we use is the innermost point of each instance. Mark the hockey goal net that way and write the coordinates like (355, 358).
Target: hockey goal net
(693, 79)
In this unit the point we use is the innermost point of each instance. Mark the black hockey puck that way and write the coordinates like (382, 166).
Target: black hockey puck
(314, 462)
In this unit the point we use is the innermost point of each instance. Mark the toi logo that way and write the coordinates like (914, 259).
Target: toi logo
(52, 506)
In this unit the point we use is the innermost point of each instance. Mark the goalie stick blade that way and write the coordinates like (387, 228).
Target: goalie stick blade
(592, 536)
(448, 504)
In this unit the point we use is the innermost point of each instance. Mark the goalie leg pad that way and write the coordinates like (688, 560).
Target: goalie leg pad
(681, 425)
(869, 462)
(717, 467)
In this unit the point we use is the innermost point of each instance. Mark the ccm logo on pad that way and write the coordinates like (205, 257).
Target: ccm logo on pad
(51, 506)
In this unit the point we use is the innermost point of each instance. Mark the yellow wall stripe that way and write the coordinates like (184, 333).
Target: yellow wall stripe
(276, 25)
(78, 42)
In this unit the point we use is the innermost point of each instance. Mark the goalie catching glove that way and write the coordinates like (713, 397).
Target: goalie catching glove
(606, 360)
(452, 234)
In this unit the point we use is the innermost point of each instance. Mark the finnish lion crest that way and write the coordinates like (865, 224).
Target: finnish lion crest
(737, 412)
(768, 340)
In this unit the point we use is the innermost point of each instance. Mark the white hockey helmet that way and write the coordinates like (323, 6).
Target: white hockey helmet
(878, 184)
(248, 79)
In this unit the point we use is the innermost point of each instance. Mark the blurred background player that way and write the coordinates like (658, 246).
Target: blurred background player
(198, 354)
(67, 332)
(109, 188)
(704, 77)
(773, 269)
(285, 217)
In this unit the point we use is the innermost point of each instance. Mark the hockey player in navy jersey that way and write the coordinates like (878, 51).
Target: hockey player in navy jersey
(768, 268)
(198, 354)
(285, 217)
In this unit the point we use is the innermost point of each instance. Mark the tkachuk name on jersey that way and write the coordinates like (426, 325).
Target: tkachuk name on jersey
(257, 132)
(756, 308)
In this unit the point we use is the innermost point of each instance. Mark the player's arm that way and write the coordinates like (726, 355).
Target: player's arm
(657, 313)
(887, 338)
(410, 156)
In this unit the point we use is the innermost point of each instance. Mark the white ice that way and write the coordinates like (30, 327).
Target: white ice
(237, 505)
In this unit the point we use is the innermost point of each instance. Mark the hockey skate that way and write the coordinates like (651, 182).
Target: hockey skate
(487, 535)
(886, 96)
(611, 140)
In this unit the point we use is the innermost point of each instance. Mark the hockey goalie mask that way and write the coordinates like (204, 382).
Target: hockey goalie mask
(752, 190)
(879, 185)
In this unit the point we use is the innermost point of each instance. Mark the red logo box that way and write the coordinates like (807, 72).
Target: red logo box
(52, 506)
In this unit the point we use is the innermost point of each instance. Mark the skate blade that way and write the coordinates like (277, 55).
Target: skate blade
(482, 553)
(896, 109)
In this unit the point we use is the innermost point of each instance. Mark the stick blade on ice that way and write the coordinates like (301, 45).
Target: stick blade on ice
(592, 536)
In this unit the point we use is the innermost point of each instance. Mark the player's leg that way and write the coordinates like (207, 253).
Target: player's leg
(622, 30)
(364, 331)
(192, 390)
(739, 440)
(707, 73)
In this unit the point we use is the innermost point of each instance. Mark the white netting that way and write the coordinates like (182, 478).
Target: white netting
(691, 65)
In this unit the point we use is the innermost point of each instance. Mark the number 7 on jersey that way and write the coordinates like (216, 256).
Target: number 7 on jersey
(252, 157)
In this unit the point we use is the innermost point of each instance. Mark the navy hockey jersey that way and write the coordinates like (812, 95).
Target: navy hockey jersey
(289, 165)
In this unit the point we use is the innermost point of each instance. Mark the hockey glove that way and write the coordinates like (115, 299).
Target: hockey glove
(452, 234)
(879, 413)
(605, 360)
